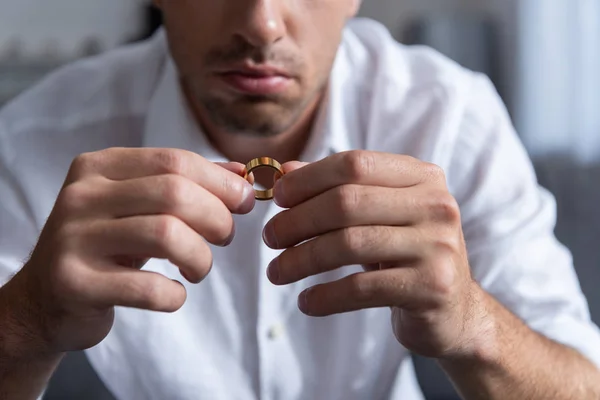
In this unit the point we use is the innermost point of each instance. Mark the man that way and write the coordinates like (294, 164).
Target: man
(409, 169)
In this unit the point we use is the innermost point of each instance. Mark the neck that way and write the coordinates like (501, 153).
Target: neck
(285, 146)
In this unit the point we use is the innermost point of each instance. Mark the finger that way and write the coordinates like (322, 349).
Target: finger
(131, 262)
(355, 167)
(351, 246)
(355, 205)
(114, 286)
(235, 167)
(124, 164)
(250, 178)
(386, 288)
(277, 176)
(238, 169)
(293, 166)
(162, 236)
(170, 195)
(287, 168)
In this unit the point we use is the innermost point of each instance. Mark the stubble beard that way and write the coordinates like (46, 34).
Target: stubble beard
(256, 116)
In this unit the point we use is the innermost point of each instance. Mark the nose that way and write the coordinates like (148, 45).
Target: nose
(262, 23)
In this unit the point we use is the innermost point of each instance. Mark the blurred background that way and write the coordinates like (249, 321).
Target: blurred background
(543, 56)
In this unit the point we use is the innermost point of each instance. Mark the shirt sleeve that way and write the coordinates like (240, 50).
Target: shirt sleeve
(509, 221)
(18, 232)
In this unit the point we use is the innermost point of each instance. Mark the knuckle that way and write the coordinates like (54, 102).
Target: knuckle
(444, 246)
(82, 165)
(358, 164)
(76, 196)
(165, 231)
(352, 240)
(170, 161)
(63, 239)
(362, 290)
(355, 239)
(434, 172)
(64, 274)
(58, 253)
(68, 280)
(443, 277)
(174, 191)
(348, 199)
(73, 197)
(443, 207)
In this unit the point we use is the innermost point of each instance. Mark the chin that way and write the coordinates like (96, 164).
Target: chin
(257, 118)
(263, 126)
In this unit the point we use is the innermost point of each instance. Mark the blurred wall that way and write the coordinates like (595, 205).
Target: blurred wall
(397, 15)
(558, 108)
(60, 28)
(38, 27)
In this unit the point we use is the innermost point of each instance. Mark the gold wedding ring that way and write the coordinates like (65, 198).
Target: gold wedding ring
(263, 162)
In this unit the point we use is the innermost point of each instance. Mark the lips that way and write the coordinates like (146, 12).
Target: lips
(257, 81)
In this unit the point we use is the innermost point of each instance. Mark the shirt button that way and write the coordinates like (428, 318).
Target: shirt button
(276, 331)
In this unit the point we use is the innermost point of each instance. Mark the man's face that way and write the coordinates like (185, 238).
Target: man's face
(255, 66)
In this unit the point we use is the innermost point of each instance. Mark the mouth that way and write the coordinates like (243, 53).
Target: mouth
(261, 80)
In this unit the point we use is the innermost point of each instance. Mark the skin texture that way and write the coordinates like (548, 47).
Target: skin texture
(299, 37)
(394, 215)
(117, 208)
(391, 213)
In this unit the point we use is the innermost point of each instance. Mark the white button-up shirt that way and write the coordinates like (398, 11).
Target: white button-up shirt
(238, 336)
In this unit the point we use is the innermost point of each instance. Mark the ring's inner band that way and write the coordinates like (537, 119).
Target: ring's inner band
(263, 162)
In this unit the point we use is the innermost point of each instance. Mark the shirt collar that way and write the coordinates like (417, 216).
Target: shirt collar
(171, 124)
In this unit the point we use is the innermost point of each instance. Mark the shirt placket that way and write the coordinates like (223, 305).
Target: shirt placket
(273, 312)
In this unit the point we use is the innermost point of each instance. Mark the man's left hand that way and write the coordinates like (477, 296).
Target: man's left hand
(394, 215)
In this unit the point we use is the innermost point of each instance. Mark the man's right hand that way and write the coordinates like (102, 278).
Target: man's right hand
(118, 208)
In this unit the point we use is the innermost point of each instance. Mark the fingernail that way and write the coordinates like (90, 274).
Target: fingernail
(248, 192)
(176, 281)
(248, 198)
(230, 238)
(185, 275)
(303, 301)
(273, 271)
(279, 193)
(269, 236)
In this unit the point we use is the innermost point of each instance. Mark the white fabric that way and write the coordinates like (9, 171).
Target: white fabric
(238, 336)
